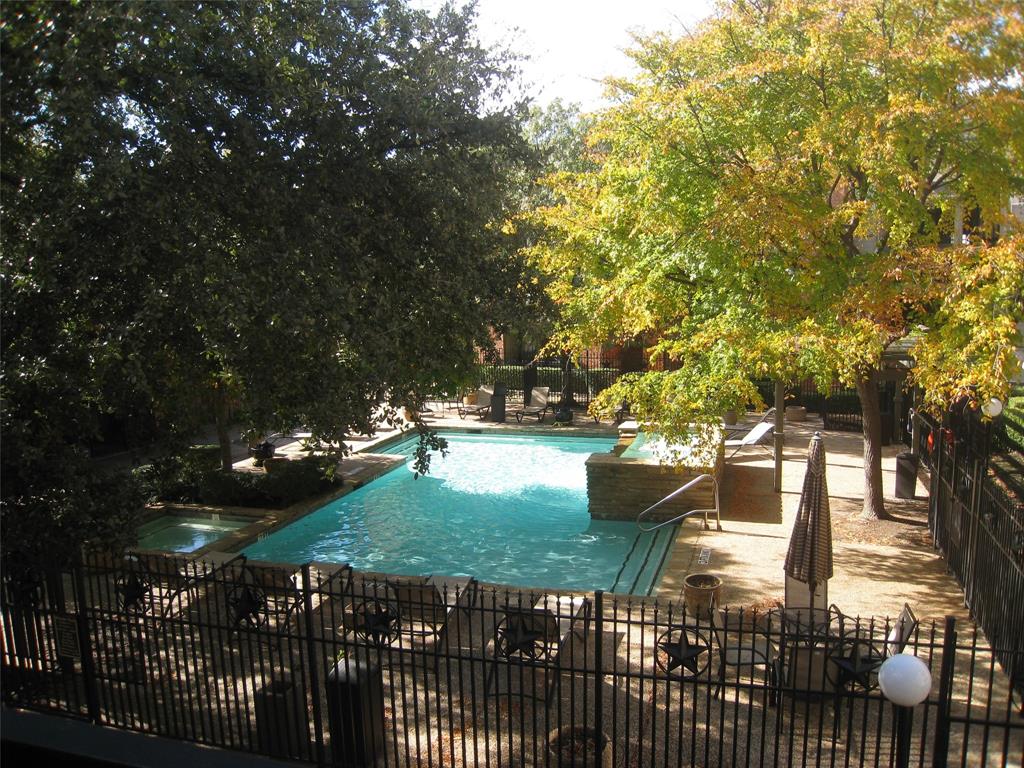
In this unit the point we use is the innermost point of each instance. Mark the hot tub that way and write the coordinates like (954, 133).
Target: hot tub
(649, 469)
(177, 533)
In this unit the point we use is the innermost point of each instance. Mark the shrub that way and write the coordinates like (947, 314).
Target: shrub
(297, 480)
(167, 480)
(233, 489)
(1010, 428)
(202, 457)
(290, 482)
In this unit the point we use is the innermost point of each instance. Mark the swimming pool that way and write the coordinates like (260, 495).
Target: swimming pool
(174, 533)
(504, 509)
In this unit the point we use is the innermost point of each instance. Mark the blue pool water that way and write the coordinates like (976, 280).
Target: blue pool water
(504, 509)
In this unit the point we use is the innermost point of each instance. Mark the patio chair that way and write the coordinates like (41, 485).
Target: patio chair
(758, 433)
(536, 638)
(483, 404)
(856, 655)
(750, 651)
(538, 406)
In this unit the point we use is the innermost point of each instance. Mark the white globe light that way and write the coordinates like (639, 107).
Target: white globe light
(905, 680)
(992, 408)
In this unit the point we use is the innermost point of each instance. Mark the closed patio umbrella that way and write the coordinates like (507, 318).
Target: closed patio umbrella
(809, 558)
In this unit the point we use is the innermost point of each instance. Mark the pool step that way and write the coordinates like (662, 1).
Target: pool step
(643, 564)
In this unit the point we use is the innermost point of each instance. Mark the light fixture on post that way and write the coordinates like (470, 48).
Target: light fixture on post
(993, 407)
(905, 680)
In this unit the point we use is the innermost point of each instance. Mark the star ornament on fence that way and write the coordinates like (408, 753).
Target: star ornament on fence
(134, 591)
(857, 665)
(680, 652)
(378, 623)
(247, 606)
(520, 636)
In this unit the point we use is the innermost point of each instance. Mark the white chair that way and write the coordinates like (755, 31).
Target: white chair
(754, 437)
(483, 404)
(538, 406)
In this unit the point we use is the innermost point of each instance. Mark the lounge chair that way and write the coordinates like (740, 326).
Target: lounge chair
(538, 405)
(536, 637)
(755, 436)
(483, 404)
(427, 605)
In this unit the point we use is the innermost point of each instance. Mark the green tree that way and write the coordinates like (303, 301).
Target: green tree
(770, 201)
(288, 211)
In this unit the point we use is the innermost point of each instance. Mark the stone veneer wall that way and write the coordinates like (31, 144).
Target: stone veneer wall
(620, 489)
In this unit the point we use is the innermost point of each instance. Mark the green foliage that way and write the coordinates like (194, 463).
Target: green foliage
(203, 457)
(292, 209)
(292, 481)
(1010, 432)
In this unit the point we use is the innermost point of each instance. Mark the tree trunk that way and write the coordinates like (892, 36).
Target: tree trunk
(220, 406)
(874, 504)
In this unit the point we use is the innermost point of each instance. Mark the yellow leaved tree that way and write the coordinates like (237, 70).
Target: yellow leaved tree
(776, 195)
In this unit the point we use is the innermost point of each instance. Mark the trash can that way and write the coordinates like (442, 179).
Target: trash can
(355, 712)
(282, 723)
(906, 475)
(498, 403)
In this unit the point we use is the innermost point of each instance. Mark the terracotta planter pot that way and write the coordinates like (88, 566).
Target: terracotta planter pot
(730, 417)
(579, 746)
(795, 413)
(701, 592)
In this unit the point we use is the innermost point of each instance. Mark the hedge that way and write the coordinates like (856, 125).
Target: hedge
(180, 480)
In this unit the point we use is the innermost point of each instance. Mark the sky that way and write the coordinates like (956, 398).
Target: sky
(573, 44)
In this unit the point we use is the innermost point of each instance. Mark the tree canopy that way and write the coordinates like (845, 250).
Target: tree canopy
(771, 196)
(292, 211)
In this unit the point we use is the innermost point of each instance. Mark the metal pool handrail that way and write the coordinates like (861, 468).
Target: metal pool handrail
(676, 492)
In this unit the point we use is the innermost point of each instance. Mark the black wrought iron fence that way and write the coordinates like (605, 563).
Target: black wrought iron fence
(979, 528)
(584, 376)
(329, 666)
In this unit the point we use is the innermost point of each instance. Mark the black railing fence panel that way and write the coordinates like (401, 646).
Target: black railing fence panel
(325, 665)
(584, 375)
(978, 525)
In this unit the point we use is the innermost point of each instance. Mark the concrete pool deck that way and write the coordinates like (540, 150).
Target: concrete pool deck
(879, 565)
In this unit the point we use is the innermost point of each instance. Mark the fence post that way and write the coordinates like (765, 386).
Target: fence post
(598, 664)
(940, 752)
(92, 699)
(314, 678)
